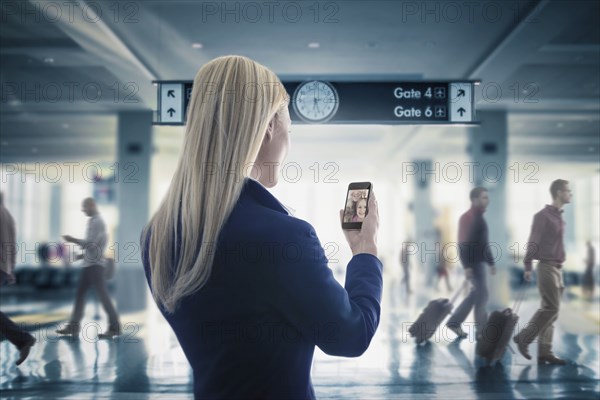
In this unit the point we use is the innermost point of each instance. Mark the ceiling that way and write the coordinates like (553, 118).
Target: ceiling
(66, 73)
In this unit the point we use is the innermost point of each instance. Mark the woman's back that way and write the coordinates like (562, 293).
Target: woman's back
(251, 330)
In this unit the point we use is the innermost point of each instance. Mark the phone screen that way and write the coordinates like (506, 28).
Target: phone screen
(356, 205)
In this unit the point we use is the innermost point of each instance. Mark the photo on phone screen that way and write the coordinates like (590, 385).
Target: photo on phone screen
(356, 205)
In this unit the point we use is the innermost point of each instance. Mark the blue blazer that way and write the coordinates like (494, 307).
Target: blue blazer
(251, 331)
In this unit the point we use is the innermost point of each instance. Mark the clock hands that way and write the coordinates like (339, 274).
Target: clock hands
(323, 94)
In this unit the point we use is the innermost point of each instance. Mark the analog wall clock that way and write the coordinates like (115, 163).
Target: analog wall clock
(315, 101)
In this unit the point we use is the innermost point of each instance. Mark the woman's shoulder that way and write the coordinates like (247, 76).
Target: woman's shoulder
(267, 225)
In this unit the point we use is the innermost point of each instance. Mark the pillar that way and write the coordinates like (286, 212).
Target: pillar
(488, 150)
(134, 149)
(424, 217)
(55, 213)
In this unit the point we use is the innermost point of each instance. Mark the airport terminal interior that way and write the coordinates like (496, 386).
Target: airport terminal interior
(426, 100)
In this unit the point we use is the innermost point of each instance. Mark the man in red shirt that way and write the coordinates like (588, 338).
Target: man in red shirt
(546, 245)
(474, 253)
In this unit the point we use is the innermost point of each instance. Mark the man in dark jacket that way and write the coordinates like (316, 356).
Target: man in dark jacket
(474, 252)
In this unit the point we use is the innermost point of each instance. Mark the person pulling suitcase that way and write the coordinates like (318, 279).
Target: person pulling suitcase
(547, 246)
(474, 252)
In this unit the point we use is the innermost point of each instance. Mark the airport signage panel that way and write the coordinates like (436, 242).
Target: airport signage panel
(461, 105)
(326, 102)
(172, 104)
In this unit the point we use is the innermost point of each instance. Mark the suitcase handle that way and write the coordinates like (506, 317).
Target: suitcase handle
(520, 296)
(460, 289)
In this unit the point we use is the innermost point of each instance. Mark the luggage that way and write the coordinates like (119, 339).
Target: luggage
(429, 320)
(496, 334)
(498, 331)
(431, 317)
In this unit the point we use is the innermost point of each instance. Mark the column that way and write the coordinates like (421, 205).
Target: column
(488, 150)
(55, 213)
(134, 149)
(424, 216)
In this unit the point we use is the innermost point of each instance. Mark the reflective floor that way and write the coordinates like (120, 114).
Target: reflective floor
(147, 363)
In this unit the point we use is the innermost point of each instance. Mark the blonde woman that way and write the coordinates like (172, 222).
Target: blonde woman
(244, 285)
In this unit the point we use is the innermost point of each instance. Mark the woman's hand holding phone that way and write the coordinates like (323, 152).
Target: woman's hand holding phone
(364, 240)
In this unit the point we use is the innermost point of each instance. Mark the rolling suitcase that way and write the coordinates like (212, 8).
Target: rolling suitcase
(432, 316)
(499, 330)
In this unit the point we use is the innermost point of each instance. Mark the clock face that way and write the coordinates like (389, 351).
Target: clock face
(315, 101)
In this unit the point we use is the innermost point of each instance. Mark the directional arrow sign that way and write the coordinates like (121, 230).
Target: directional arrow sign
(170, 96)
(461, 101)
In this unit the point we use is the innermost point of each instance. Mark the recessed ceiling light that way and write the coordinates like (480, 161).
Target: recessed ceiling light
(314, 45)
(197, 45)
(48, 60)
(560, 125)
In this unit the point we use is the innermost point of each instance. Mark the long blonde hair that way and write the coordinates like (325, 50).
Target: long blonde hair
(232, 102)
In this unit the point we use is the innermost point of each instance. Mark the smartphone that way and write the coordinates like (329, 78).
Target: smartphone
(356, 205)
